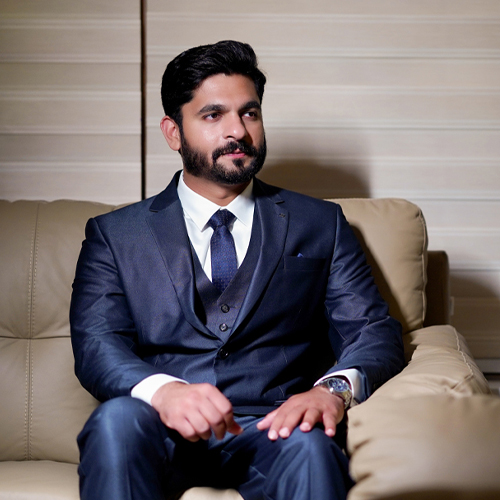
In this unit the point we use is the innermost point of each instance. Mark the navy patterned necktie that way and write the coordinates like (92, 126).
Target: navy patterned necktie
(224, 264)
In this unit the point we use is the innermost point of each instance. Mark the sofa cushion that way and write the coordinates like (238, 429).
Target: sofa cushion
(210, 494)
(41, 480)
(425, 446)
(393, 235)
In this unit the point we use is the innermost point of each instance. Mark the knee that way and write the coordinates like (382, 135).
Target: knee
(313, 441)
(119, 420)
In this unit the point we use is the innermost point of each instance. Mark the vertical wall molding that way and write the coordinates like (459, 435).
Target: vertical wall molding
(143, 96)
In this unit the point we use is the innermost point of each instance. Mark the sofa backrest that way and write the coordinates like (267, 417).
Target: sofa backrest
(394, 236)
(43, 405)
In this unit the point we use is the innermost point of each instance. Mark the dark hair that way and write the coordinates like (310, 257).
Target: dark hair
(188, 70)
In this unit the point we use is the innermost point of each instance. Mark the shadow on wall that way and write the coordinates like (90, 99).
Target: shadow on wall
(309, 177)
(352, 180)
(483, 304)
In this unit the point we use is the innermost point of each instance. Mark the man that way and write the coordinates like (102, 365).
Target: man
(225, 324)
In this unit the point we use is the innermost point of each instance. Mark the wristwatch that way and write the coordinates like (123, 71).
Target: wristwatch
(339, 387)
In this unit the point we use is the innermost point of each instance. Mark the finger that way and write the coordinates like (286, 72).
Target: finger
(196, 415)
(221, 416)
(235, 428)
(311, 417)
(285, 421)
(330, 424)
(297, 417)
(266, 422)
(212, 418)
(230, 425)
(186, 430)
(200, 425)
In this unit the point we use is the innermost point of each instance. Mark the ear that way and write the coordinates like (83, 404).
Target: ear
(171, 132)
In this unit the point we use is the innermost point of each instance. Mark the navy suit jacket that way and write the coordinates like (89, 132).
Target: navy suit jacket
(311, 308)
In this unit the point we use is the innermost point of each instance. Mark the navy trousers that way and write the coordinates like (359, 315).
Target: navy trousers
(128, 453)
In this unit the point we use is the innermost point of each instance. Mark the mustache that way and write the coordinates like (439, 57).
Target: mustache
(242, 146)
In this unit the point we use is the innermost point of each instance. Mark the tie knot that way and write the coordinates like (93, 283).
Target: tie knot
(221, 218)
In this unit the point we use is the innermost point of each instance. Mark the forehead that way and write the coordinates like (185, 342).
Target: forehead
(224, 89)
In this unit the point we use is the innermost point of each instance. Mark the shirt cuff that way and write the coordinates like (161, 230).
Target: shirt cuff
(355, 379)
(146, 388)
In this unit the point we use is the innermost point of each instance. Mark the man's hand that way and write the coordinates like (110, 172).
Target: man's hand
(195, 410)
(305, 410)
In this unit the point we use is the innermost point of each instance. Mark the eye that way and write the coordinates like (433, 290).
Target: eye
(253, 114)
(211, 116)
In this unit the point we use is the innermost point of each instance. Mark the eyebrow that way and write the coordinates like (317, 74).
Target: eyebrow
(220, 107)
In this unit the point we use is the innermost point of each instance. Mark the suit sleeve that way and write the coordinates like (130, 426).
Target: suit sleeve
(103, 333)
(363, 334)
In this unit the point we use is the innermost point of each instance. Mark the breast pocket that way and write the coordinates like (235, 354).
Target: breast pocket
(303, 264)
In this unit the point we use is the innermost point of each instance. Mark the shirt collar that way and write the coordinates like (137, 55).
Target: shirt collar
(199, 209)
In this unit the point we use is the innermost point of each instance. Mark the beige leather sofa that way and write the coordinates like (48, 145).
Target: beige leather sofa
(430, 432)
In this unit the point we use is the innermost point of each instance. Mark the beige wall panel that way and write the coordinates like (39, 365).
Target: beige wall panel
(97, 8)
(70, 76)
(476, 283)
(396, 72)
(154, 109)
(70, 40)
(70, 100)
(373, 106)
(478, 320)
(62, 148)
(58, 111)
(160, 173)
(334, 35)
(474, 249)
(362, 7)
(475, 214)
(456, 181)
(321, 142)
(115, 185)
(436, 74)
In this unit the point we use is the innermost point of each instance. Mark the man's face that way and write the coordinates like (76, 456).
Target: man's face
(222, 134)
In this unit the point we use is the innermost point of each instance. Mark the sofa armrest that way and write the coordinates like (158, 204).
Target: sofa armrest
(441, 447)
(439, 362)
(430, 431)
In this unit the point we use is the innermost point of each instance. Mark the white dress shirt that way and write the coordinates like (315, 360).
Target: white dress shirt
(197, 212)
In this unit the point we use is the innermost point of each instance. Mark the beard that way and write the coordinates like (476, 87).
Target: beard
(197, 164)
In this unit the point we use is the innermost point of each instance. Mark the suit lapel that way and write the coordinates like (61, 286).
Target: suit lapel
(166, 221)
(273, 220)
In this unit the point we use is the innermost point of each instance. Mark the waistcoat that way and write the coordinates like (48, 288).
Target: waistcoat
(218, 311)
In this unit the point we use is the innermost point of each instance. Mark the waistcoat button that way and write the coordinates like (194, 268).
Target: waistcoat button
(223, 327)
(224, 308)
(223, 354)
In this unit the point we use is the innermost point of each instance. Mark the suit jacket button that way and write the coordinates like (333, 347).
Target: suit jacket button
(223, 354)
(224, 308)
(223, 327)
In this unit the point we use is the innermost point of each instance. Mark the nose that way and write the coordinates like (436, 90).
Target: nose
(235, 127)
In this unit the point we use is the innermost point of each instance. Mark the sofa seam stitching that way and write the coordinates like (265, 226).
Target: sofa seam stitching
(26, 404)
(471, 372)
(32, 330)
(27, 451)
(424, 269)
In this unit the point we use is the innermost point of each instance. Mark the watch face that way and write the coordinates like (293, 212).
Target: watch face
(341, 388)
(338, 385)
